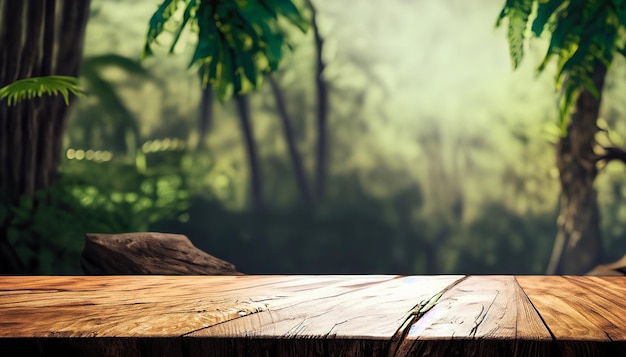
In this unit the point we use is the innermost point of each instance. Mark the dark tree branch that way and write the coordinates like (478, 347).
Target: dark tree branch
(611, 154)
(206, 114)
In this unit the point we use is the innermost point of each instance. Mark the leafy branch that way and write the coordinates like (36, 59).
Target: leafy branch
(38, 86)
(238, 41)
(583, 34)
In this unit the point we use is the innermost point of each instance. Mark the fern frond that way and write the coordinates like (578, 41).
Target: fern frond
(583, 35)
(518, 13)
(38, 86)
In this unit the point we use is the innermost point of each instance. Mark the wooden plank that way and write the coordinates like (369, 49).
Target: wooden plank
(359, 320)
(603, 303)
(480, 316)
(133, 306)
(313, 315)
(574, 313)
(131, 315)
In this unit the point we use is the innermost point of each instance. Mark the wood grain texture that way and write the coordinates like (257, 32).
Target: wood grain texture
(350, 320)
(313, 316)
(139, 315)
(489, 316)
(575, 312)
(113, 306)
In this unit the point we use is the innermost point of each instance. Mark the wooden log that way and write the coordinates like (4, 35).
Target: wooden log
(148, 253)
(617, 268)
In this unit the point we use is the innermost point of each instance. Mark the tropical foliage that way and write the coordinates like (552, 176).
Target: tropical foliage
(238, 41)
(581, 33)
(38, 86)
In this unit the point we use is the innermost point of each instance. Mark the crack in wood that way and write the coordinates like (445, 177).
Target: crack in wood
(395, 344)
(481, 317)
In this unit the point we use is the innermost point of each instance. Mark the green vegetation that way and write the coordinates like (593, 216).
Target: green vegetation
(238, 41)
(440, 158)
(36, 87)
(584, 38)
(581, 34)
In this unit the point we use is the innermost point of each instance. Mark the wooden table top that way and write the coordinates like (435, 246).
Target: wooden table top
(349, 315)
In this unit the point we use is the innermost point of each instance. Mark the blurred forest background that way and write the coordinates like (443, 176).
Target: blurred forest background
(440, 157)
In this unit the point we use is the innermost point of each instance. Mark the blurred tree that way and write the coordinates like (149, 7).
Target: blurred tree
(294, 154)
(584, 37)
(321, 170)
(206, 114)
(38, 38)
(238, 43)
(243, 109)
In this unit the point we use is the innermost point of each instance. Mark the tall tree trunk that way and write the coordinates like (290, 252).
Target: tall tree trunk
(206, 114)
(37, 38)
(321, 170)
(243, 109)
(296, 161)
(578, 245)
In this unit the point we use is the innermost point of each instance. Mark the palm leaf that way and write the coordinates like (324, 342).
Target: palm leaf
(38, 86)
(233, 38)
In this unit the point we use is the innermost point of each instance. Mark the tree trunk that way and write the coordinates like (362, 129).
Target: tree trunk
(578, 245)
(253, 158)
(291, 142)
(322, 109)
(206, 114)
(37, 38)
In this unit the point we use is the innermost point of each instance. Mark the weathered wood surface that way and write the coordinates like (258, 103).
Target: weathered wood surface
(313, 316)
(148, 253)
(474, 317)
(362, 320)
(593, 307)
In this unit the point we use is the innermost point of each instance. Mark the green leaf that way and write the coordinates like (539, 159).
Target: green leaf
(187, 14)
(517, 12)
(620, 11)
(563, 37)
(234, 38)
(38, 86)
(545, 11)
(249, 69)
(208, 34)
(223, 88)
(157, 23)
(274, 52)
(287, 9)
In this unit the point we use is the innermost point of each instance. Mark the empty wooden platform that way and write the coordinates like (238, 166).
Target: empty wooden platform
(312, 316)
